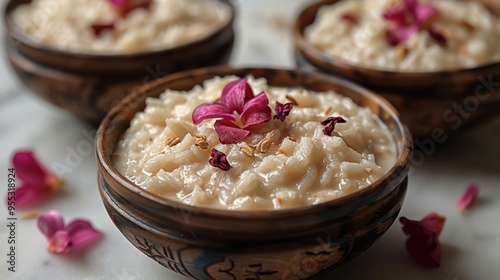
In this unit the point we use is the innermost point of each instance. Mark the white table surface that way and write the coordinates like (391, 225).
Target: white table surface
(470, 242)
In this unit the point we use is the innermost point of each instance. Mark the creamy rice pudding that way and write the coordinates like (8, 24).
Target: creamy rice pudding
(109, 26)
(318, 147)
(407, 35)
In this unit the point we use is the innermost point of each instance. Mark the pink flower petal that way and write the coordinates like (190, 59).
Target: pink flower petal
(407, 19)
(254, 116)
(235, 94)
(410, 5)
(50, 222)
(28, 169)
(423, 242)
(211, 111)
(396, 36)
(424, 12)
(256, 111)
(468, 198)
(229, 133)
(82, 234)
(259, 101)
(425, 250)
(60, 242)
(78, 234)
(29, 194)
(219, 159)
(396, 14)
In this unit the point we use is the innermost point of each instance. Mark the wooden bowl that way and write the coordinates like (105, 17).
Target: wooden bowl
(221, 244)
(88, 84)
(432, 104)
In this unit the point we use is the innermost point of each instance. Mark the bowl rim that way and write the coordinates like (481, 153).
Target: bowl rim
(398, 171)
(303, 46)
(14, 33)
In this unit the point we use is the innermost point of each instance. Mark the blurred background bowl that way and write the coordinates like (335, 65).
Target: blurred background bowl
(88, 84)
(432, 104)
(222, 244)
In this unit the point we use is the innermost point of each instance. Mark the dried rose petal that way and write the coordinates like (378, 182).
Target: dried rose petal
(423, 241)
(37, 182)
(237, 112)
(76, 236)
(437, 36)
(219, 159)
(330, 124)
(406, 19)
(98, 28)
(348, 17)
(282, 110)
(468, 198)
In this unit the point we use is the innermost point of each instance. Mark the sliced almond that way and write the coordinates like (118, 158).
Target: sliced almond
(172, 141)
(247, 150)
(328, 111)
(401, 52)
(30, 215)
(292, 100)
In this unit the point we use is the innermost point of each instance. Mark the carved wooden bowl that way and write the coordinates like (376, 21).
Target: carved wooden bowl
(221, 244)
(87, 85)
(432, 104)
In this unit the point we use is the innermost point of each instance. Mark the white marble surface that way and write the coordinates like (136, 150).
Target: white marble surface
(471, 242)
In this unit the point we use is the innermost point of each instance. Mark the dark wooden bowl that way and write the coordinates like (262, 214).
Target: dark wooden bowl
(432, 104)
(215, 244)
(88, 84)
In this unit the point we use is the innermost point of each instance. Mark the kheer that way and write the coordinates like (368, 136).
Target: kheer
(97, 26)
(452, 34)
(282, 163)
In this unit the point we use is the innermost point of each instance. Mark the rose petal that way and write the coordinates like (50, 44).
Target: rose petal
(50, 222)
(219, 159)
(255, 116)
(29, 194)
(437, 36)
(398, 35)
(423, 242)
(396, 14)
(330, 124)
(434, 223)
(229, 133)
(28, 168)
(282, 110)
(423, 13)
(82, 234)
(256, 111)
(410, 5)
(468, 198)
(259, 101)
(98, 28)
(424, 250)
(235, 94)
(211, 111)
(60, 242)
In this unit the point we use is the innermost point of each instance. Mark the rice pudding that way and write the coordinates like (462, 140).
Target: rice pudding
(114, 26)
(316, 148)
(407, 35)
